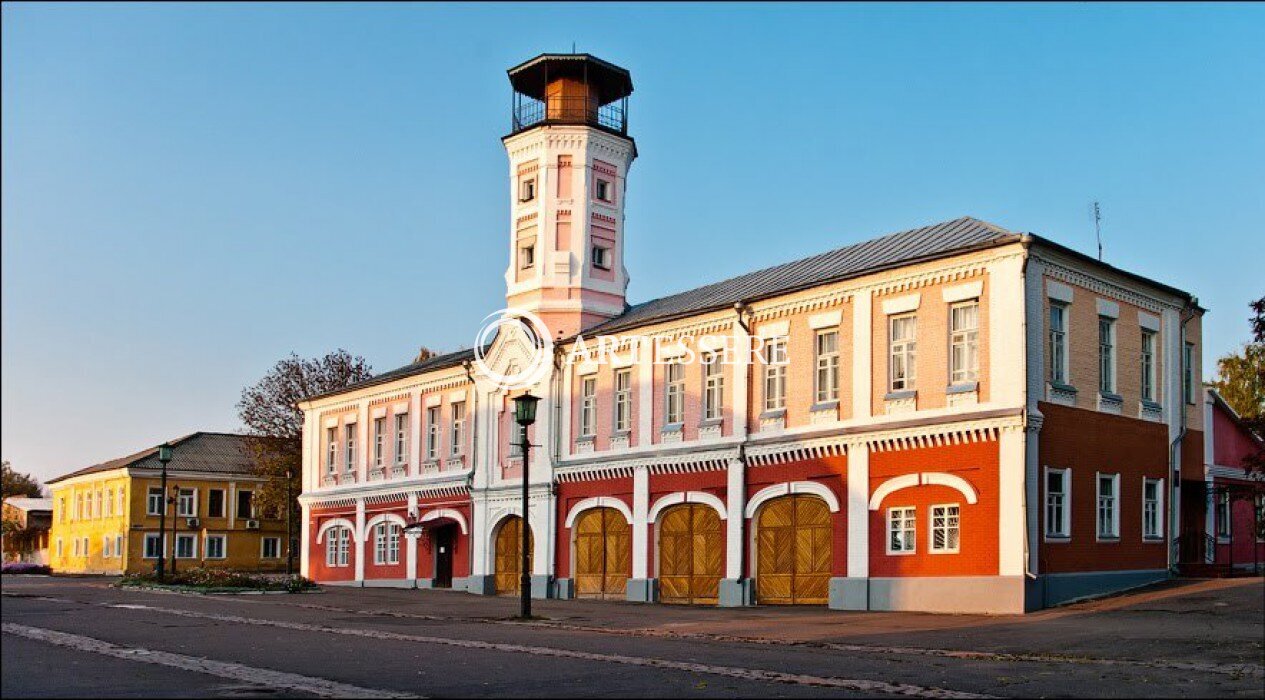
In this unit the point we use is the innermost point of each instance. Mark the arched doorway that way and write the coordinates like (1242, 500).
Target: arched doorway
(603, 554)
(794, 551)
(509, 557)
(691, 554)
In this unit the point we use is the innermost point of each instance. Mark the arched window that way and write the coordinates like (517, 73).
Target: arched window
(386, 543)
(337, 546)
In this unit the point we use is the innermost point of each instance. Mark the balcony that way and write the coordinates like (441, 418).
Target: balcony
(574, 109)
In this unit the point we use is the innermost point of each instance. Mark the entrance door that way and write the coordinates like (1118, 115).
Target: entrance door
(509, 540)
(445, 538)
(603, 554)
(691, 554)
(794, 551)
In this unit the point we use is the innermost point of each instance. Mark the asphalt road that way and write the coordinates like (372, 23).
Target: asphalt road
(82, 638)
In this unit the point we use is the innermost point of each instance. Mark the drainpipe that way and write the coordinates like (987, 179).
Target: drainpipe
(1175, 447)
(474, 461)
(742, 311)
(1025, 241)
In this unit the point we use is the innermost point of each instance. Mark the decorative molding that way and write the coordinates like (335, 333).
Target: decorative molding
(829, 319)
(905, 481)
(681, 497)
(1108, 308)
(1098, 285)
(449, 513)
(902, 305)
(812, 488)
(685, 462)
(962, 292)
(1057, 291)
(598, 502)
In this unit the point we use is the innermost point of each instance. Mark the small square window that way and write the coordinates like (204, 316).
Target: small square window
(527, 256)
(601, 257)
(528, 190)
(602, 190)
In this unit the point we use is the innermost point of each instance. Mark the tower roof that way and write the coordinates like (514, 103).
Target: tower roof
(608, 81)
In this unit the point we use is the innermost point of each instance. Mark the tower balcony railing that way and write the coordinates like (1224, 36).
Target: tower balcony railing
(578, 109)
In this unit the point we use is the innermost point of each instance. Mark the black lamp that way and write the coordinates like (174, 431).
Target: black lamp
(525, 409)
(525, 415)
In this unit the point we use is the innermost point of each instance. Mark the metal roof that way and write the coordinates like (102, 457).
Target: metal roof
(216, 453)
(609, 80)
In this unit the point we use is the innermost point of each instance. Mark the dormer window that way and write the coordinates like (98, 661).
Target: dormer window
(601, 257)
(527, 190)
(602, 190)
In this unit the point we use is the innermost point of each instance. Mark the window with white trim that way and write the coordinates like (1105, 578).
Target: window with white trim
(107, 547)
(903, 346)
(527, 256)
(401, 438)
(1108, 490)
(215, 503)
(77, 546)
(826, 380)
(340, 542)
(121, 508)
(379, 441)
(186, 546)
(601, 257)
(331, 447)
(1223, 520)
(674, 397)
(349, 439)
(1147, 365)
(153, 546)
(85, 546)
(775, 374)
(432, 433)
(527, 190)
(1058, 343)
(602, 189)
(458, 427)
(386, 543)
(108, 503)
(1106, 355)
(118, 545)
(623, 400)
(713, 386)
(945, 529)
(216, 546)
(1152, 509)
(964, 343)
(270, 548)
(154, 501)
(1058, 512)
(902, 530)
(187, 503)
(245, 504)
(588, 406)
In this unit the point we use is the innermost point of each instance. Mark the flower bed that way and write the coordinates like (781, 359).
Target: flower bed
(220, 581)
(25, 567)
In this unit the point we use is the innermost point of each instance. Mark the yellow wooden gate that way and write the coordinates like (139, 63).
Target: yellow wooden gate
(603, 554)
(509, 557)
(691, 554)
(795, 551)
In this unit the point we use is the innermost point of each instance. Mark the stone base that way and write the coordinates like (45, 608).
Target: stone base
(849, 594)
(643, 590)
(479, 585)
(736, 593)
(388, 583)
(565, 588)
(542, 586)
(1056, 589)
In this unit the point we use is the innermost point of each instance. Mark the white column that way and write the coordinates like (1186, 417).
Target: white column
(862, 364)
(1012, 530)
(640, 534)
(736, 502)
(410, 561)
(564, 430)
(362, 444)
(359, 537)
(1006, 296)
(645, 392)
(858, 510)
(307, 467)
(305, 534)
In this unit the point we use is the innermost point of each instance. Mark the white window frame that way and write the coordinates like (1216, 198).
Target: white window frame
(1157, 535)
(250, 514)
(206, 546)
(1146, 361)
(150, 494)
(349, 450)
(1224, 510)
(331, 450)
(145, 546)
(1064, 531)
(107, 547)
(78, 545)
(186, 496)
(343, 544)
(964, 344)
(905, 520)
(602, 190)
(1107, 355)
(826, 376)
(458, 413)
(906, 349)
(527, 256)
(946, 527)
(713, 387)
(527, 189)
(588, 406)
(193, 546)
(401, 438)
(379, 441)
(118, 546)
(775, 374)
(1060, 364)
(674, 393)
(433, 414)
(623, 400)
(1114, 504)
(601, 257)
(121, 494)
(107, 505)
(263, 547)
(223, 503)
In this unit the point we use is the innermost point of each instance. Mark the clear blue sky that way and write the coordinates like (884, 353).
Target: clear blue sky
(192, 192)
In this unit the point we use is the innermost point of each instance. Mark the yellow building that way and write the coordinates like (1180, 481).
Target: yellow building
(106, 517)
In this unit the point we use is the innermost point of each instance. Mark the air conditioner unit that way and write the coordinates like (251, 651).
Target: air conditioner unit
(252, 524)
(191, 522)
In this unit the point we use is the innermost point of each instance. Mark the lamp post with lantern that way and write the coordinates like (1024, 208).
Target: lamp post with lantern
(525, 415)
(164, 456)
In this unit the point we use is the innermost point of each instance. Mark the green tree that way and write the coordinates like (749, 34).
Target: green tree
(1241, 382)
(270, 411)
(15, 483)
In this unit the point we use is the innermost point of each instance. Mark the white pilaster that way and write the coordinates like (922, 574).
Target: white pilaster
(640, 531)
(858, 510)
(416, 447)
(741, 372)
(362, 444)
(1006, 296)
(359, 537)
(410, 561)
(862, 364)
(645, 392)
(735, 503)
(1012, 529)
(305, 535)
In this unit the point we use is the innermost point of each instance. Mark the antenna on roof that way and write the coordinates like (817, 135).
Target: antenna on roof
(573, 47)
(1098, 229)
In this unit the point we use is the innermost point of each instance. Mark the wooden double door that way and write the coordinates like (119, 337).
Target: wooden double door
(603, 554)
(691, 554)
(509, 554)
(794, 551)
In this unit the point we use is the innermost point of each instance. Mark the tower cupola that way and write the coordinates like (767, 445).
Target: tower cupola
(570, 89)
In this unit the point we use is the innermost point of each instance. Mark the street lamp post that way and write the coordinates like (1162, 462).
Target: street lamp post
(525, 415)
(164, 456)
(289, 526)
(174, 500)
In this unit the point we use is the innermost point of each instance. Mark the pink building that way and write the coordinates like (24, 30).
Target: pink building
(957, 417)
